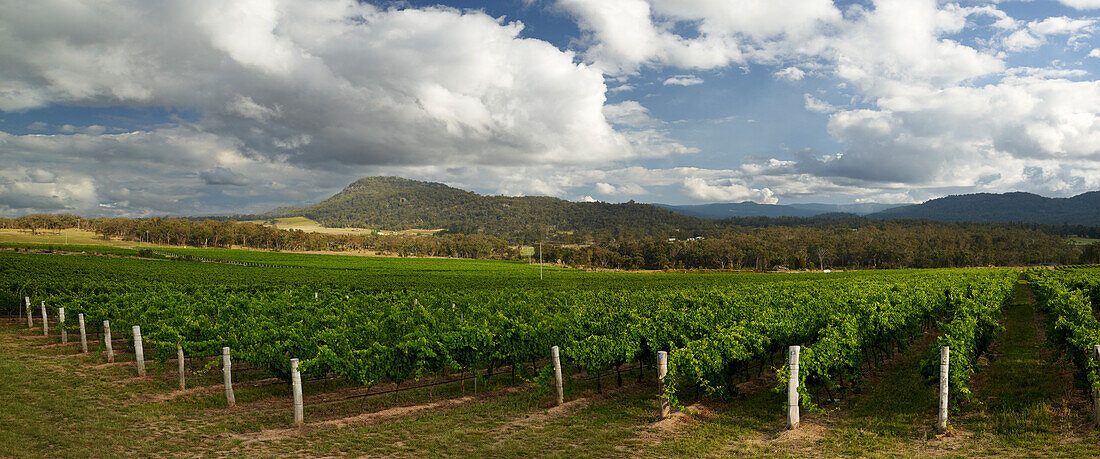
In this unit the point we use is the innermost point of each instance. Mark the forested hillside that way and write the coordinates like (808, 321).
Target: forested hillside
(393, 203)
(1083, 209)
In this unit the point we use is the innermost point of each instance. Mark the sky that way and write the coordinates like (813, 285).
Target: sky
(199, 107)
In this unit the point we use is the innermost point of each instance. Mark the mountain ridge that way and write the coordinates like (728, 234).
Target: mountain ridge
(1012, 207)
(744, 209)
(394, 203)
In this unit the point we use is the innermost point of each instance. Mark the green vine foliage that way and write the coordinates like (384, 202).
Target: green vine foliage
(1070, 297)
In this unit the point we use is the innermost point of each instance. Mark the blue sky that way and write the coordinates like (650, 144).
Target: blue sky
(173, 108)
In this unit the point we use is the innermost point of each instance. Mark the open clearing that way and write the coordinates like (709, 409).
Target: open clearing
(311, 226)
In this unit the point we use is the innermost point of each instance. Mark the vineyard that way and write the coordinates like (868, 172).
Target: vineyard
(405, 323)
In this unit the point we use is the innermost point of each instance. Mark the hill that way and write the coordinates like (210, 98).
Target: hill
(1083, 209)
(393, 203)
(752, 209)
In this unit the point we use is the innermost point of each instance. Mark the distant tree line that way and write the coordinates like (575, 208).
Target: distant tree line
(759, 244)
(226, 233)
(874, 244)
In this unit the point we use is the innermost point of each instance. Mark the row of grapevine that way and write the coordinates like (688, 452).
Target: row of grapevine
(841, 328)
(394, 335)
(1065, 297)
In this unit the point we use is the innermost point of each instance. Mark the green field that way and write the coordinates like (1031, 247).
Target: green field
(369, 325)
(1082, 240)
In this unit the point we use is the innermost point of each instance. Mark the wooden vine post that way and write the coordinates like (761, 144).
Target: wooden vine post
(30, 312)
(83, 333)
(139, 351)
(662, 372)
(945, 372)
(556, 359)
(792, 389)
(61, 325)
(1096, 392)
(296, 388)
(45, 321)
(227, 376)
(182, 365)
(107, 341)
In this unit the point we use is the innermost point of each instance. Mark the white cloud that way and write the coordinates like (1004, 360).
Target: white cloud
(1095, 53)
(294, 98)
(791, 74)
(624, 35)
(683, 80)
(726, 191)
(904, 197)
(1022, 40)
(365, 85)
(1082, 4)
(25, 191)
(814, 104)
(625, 189)
(1037, 31)
(628, 113)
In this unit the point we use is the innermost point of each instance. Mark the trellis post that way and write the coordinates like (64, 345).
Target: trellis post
(139, 351)
(227, 376)
(792, 389)
(83, 333)
(61, 325)
(662, 372)
(296, 383)
(945, 372)
(556, 359)
(107, 341)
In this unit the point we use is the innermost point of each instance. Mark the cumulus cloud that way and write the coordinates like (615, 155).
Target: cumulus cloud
(726, 191)
(24, 190)
(814, 104)
(1036, 32)
(319, 82)
(1081, 4)
(791, 74)
(291, 99)
(683, 80)
(629, 113)
(992, 137)
(321, 89)
(624, 35)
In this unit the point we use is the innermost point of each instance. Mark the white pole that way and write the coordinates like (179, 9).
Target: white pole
(182, 368)
(792, 389)
(61, 325)
(45, 321)
(139, 351)
(227, 375)
(556, 359)
(296, 386)
(83, 333)
(107, 341)
(662, 371)
(30, 313)
(945, 371)
(540, 260)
